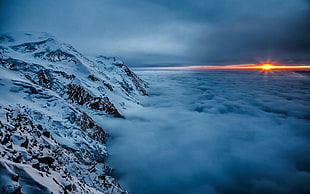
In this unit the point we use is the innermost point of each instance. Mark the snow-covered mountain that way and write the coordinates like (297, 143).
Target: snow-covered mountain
(49, 141)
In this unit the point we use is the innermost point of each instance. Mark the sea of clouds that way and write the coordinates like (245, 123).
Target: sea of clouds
(216, 131)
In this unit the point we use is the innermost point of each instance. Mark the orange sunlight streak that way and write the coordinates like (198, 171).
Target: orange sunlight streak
(263, 66)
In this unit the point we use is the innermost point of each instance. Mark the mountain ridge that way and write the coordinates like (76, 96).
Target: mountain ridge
(49, 93)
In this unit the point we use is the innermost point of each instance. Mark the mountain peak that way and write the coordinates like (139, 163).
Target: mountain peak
(50, 93)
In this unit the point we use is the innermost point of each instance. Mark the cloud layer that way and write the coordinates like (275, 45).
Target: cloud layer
(216, 132)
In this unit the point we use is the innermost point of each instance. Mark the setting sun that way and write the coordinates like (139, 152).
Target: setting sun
(267, 67)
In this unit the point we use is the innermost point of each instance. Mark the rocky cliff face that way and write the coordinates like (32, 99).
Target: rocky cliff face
(49, 92)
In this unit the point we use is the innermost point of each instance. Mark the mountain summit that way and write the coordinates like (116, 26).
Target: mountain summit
(49, 140)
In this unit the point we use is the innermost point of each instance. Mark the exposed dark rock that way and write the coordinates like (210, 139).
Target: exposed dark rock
(30, 78)
(96, 132)
(27, 88)
(25, 143)
(59, 55)
(65, 75)
(30, 46)
(36, 166)
(139, 84)
(102, 176)
(104, 104)
(118, 64)
(74, 61)
(79, 95)
(17, 158)
(108, 86)
(93, 78)
(27, 47)
(39, 54)
(44, 79)
(6, 38)
(18, 190)
(40, 127)
(46, 160)
(6, 139)
(92, 169)
(15, 177)
(69, 188)
(46, 134)
(13, 64)
(126, 86)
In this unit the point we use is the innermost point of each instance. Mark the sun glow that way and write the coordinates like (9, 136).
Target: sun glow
(267, 67)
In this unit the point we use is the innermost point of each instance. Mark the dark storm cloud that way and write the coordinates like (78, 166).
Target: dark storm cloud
(268, 30)
(170, 32)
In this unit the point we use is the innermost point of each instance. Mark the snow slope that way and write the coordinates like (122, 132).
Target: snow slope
(49, 141)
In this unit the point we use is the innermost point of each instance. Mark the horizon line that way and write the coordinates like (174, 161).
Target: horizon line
(234, 66)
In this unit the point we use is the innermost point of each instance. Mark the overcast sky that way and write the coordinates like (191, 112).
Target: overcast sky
(162, 32)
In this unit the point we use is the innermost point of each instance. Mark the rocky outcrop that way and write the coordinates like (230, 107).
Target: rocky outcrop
(29, 147)
(138, 83)
(93, 130)
(44, 78)
(79, 95)
(58, 55)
